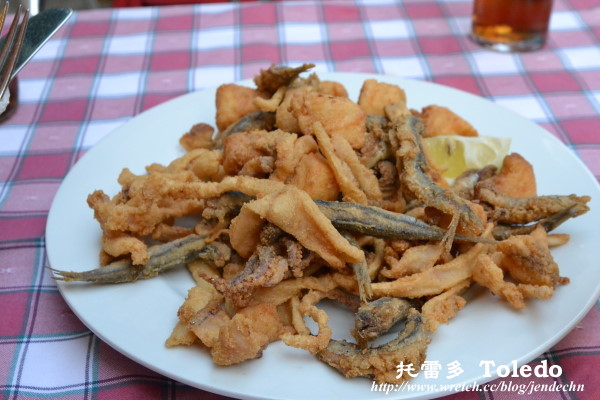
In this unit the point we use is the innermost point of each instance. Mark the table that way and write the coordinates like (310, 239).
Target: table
(105, 66)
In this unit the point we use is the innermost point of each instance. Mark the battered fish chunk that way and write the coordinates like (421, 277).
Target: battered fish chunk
(338, 115)
(242, 147)
(235, 101)
(515, 179)
(314, 176)
(440, 120)
(375, 96)
(280, 156)
(284, 116)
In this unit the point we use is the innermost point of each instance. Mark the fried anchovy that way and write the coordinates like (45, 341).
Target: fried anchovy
(375, 221)
(362, 275)
(524, 211)
(379, 363)
(413, 164)
(161, 258)
(271, 79)
(502, 232)
(378, 317)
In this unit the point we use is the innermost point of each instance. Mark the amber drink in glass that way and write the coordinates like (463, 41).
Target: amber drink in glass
(511, 25)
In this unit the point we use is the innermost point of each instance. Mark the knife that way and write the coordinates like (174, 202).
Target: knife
(40, 28)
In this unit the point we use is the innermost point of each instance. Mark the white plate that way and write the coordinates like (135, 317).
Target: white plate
(136, 318)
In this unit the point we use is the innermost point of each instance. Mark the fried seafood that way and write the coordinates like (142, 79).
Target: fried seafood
(161, 258)
(377, 317)
(270, 80)
(441, 308)
(524, 211)
(379, 363)
(286, 113)
(515, 179)
(377, 147)
(414, 259)
(432, 281)
(503, 231)
(527, 259)
(304, 195)
(235, 101)
(347, 181)
(339, 116)
(488, 274)
(412, 163)
(200, 136)
(304, 339)
(464, 185)
(361, 275)
(297, 214)
(375, 96)
(255, 120)
(380, 223)
(264, 268)
(246, 335)
(443, 121)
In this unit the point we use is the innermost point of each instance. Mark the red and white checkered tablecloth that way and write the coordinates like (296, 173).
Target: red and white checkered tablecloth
(105, 66)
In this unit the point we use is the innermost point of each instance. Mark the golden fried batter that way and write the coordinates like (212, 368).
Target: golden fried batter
(294, 211)
(198, 137)
(515, 179)
(415, 259)
(440, 120)
(434, 280)
(375, 96)
(313, 175)
(443, 307)
(233, 102)
(488, 274)
(338, 116)
(528, 259)
(246, 335)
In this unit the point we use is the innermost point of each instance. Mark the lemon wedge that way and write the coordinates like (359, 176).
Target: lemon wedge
(452, 155)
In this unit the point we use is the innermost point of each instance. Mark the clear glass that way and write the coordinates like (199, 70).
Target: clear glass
(511, 25)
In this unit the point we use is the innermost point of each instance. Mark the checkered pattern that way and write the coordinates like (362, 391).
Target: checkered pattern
(106, 66)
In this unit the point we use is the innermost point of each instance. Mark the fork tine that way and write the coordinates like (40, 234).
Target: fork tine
(11, 49)
(3, 14)
(10, 36)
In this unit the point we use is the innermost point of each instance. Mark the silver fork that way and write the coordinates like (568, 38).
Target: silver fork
(12, 46)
